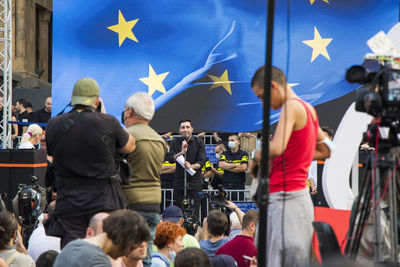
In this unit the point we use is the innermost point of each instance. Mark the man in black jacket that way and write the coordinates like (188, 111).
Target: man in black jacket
(83, 143)
(193, 148)
(43, 115)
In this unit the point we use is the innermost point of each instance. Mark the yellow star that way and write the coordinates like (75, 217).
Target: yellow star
(154, 81)
(293, 84)
(124, 29)
(312, 1)
(223, 81)
(318, 45)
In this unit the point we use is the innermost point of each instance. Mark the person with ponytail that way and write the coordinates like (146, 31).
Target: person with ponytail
(11, 244)
(31, 137)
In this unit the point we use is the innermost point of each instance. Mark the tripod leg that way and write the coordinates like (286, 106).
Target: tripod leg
(361, 211)
(393, 216)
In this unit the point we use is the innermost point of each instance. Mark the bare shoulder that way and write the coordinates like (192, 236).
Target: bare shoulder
(296, 109)
(312, 110)
(293, 107)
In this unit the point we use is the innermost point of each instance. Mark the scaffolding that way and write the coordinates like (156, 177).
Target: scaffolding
(6, 70)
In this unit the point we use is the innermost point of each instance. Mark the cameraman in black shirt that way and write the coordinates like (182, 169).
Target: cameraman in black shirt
(83, 143)
(195, 159)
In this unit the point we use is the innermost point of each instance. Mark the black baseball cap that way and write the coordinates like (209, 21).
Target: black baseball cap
(172, 214)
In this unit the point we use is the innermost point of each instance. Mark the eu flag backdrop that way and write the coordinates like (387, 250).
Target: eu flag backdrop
(196, 58)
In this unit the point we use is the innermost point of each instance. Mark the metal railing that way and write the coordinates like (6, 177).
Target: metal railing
(168, 198)
(247, 145)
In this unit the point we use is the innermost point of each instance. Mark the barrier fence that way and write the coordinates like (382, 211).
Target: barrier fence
(236, 195)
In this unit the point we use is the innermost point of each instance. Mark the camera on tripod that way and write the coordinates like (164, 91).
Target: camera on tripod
(29, 203)
(380, 95)
(218, 200)
(191, 222)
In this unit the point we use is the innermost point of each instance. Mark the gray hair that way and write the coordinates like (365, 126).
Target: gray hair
(142, 105)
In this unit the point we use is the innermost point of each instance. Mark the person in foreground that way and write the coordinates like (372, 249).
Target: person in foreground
(124, 231)
(192, 257)
(12, 249)
(297, 141)
(242, 248)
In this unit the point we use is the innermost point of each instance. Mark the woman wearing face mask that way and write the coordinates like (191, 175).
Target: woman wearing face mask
(31, 137)
(168, 239)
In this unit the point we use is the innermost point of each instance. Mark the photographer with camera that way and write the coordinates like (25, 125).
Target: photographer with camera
(83, 144)
(235, 219)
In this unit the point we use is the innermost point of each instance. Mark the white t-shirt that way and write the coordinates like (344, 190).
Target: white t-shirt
(26, 145)
(39, 242)
(313, 172)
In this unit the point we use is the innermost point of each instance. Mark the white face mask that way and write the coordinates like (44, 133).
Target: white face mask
(232, 144)
(217, 156)
(172, 255)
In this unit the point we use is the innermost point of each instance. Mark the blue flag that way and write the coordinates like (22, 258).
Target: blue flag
(196, 59)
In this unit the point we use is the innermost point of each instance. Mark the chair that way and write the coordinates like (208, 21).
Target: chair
(328, 243)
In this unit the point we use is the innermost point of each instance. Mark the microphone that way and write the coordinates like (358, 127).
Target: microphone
(183, 138)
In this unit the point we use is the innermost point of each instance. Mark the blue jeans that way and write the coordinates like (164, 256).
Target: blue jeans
(152, 219)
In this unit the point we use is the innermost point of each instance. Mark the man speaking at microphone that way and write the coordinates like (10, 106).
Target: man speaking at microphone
(195, 159)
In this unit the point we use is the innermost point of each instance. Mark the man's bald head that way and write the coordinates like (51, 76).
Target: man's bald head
(95, 226)
(220, 148)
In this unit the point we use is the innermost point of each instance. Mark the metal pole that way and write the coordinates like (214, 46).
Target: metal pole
(184, 179)
(6, 69)
(393, 214)
(263, 186)
(377, 215)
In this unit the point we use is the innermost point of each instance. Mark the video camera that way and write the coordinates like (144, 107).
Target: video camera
(380, 94)
(29, 203)
(380, 97)
(191, 221)
(218, 200)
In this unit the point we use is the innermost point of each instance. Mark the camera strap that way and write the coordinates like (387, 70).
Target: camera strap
(67, 125)
(104, 139)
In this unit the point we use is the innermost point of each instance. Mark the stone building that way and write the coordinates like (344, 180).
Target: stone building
(32, 45)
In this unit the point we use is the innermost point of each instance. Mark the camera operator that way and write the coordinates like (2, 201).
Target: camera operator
(83, 144)
(235, 219)
(195, 152)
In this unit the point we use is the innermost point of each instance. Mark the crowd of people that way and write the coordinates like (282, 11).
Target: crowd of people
(96, 217)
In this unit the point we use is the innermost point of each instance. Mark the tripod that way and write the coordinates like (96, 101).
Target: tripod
(188, 207)
(379, 187)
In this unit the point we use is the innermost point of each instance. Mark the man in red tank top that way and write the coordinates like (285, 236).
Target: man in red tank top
(297, 141)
